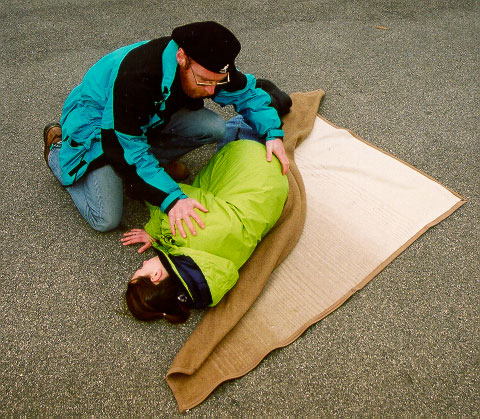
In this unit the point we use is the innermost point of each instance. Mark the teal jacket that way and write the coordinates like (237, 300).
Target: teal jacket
(124, 96)
(245, 196)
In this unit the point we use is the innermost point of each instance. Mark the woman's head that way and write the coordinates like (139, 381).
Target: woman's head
(153, 269)
(153, 294)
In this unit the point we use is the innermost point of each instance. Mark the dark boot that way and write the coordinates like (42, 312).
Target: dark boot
(177, 170)
(280, 100)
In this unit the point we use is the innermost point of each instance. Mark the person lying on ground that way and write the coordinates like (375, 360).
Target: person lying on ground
(245, 195)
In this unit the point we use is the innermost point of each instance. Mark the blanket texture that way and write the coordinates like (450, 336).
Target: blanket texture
(364, 208)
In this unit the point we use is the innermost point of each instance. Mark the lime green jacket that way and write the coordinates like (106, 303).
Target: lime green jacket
(244, 195)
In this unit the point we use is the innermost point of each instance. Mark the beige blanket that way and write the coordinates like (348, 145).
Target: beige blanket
(362, 208)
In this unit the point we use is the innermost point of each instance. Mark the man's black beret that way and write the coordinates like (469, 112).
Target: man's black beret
(210, 44)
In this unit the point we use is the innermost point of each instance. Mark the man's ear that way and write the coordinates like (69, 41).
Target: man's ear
(181, 57)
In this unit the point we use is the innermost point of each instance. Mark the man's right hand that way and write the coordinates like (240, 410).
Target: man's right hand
(183, 210)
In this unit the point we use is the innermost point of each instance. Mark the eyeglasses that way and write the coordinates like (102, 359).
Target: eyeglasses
(210, 82)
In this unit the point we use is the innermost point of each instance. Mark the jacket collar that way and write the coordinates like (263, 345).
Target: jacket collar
(187, 272)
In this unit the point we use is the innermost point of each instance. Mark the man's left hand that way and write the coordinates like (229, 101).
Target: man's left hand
(276, 147)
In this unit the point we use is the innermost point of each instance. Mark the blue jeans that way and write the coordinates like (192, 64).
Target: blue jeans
(237, 129)
(98, 195)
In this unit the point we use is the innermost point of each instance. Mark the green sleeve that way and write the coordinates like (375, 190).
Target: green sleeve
(155, 226)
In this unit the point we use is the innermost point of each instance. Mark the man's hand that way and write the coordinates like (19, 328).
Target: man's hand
(183, 210)
(276, 147)
(137, 235)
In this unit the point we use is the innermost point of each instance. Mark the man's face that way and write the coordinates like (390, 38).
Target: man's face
(192, 73)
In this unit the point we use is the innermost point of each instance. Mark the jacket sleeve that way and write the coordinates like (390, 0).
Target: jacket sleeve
(154, 225)
(253, 104)
(137, 154)
(131, 109)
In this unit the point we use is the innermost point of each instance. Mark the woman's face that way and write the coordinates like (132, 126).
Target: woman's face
(153, 269)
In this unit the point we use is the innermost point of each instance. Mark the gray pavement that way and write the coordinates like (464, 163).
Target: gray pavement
(407, 345)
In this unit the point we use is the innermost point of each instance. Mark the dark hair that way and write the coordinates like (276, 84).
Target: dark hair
(149, 301)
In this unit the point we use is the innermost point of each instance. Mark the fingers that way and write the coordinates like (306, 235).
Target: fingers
(136, 235)
(184, 211)
(181, 230)
(269, 153)
(130, 240)
(133, 232)
(199, 206)
(144, 247)
(190, 226)
(198, 220)
(176, 223)
(276, 147)
(173, 230)
(285, 164)
(179, 225)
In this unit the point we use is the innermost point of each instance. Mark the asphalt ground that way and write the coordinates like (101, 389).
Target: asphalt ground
(407, 345)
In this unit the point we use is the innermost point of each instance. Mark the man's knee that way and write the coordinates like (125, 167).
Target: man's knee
(205, 125)
(106, 221)
(216, 128)
(104, 224)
